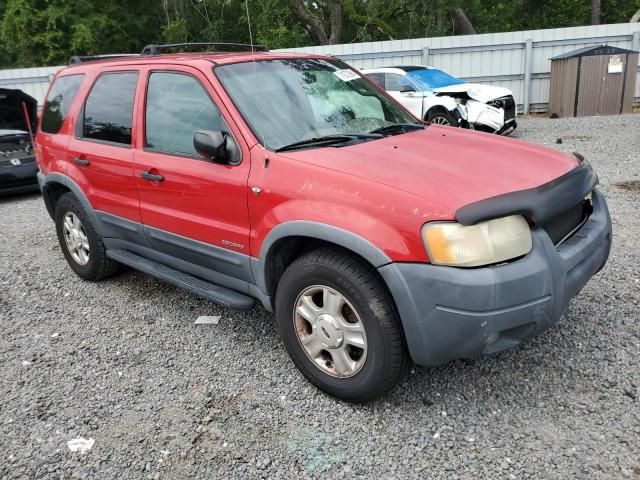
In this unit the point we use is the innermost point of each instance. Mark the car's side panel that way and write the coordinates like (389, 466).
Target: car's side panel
(197, 199)
(107, 177)
(292, 190)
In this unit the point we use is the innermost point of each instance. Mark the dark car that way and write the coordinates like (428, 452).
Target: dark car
(18, 167)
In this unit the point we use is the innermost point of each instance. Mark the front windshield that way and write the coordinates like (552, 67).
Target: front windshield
(430, 78)
(292, 100)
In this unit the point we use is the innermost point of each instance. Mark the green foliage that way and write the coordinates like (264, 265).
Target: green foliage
(47, 32)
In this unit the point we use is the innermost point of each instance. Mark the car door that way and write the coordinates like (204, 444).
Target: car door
(411, 100)
(100, 153)
(192, 209)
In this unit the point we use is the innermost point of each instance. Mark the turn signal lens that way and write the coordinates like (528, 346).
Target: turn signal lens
(493, 241)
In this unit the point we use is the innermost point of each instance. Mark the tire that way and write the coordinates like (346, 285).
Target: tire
(443, 117)
(92, 263)
(366, 306)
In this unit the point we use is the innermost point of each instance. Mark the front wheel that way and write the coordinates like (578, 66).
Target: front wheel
(441, 116)
(340, 325)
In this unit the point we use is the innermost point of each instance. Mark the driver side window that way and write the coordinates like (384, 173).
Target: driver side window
(393, 82)
(177, 107)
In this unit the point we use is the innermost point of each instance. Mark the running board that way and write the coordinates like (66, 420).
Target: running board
(202, 288)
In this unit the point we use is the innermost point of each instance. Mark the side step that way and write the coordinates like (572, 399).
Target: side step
(210, 291)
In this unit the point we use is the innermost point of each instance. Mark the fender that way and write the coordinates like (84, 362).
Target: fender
(45, 180)
(315, 230)
(439, 101)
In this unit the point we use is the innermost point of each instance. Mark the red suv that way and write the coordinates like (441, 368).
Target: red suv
(292, 180)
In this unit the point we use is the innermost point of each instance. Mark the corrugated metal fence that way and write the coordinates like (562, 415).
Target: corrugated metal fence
(516, 60)
(33, 81)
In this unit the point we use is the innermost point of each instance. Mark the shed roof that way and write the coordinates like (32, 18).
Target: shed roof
(594, 50)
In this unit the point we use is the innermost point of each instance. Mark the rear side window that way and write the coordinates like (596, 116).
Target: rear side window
(177, 107)
(62, 93)
(108, 111)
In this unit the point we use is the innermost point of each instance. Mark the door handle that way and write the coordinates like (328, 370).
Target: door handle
(153, 177)
(82, 161)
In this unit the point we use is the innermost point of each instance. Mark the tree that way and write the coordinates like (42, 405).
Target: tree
(309, 13)
(595, 12)
(462, 23)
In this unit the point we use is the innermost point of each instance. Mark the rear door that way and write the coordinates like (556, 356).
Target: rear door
(196, 210)
(100, 154)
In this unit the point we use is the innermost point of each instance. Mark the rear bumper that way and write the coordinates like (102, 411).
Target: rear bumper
(450, 313)
(18, 179)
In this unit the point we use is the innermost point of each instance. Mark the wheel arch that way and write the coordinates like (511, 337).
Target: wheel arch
(288, 241)
(54, 185)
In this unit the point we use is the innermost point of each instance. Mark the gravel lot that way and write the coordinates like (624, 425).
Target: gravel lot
(122, 362)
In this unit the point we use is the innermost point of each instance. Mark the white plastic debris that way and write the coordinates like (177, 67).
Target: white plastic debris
(26, 363)
(81, 445)
(208, 320)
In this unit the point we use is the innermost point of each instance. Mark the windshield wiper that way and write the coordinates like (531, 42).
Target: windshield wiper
(329, 140)
(398, 127)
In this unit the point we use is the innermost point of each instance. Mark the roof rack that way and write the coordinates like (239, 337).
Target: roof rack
(92, 58)
(155, 49)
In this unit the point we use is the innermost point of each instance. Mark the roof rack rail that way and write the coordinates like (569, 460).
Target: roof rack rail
(92, 58)
(155, 49)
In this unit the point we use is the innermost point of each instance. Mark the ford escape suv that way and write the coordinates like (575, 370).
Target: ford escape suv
(293, 181)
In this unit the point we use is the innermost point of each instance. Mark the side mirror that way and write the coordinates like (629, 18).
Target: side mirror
(406, 88)
(212, 144)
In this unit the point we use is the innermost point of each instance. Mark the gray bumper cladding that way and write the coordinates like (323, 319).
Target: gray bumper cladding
(450, 313)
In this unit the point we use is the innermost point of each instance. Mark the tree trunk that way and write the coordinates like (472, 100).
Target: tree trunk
(595, 12)
(462, 24)
(636, 17)
(311, 23)
(336, 21)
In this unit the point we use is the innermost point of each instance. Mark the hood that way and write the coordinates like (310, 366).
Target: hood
(12, 112)
(448, 166)
(477, 91)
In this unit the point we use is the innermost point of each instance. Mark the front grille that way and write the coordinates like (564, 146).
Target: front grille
(10, 151)
(564, 225)
(508, 104)
(6, 161)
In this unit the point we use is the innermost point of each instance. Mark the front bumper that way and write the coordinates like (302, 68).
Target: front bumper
(449, 313)
(18, 179)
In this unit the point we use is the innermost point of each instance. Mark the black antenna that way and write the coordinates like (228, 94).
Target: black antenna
(153, 49)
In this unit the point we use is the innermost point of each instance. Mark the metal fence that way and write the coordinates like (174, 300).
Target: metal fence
(516, 60)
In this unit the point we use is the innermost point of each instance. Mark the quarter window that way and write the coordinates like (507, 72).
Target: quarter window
(62, 93)
(177, 107)
(108, 111)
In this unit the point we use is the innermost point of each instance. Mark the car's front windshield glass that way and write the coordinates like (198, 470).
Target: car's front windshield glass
(298, 99)
(430, 78)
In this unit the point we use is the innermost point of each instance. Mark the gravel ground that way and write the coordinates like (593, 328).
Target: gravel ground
(122, 362)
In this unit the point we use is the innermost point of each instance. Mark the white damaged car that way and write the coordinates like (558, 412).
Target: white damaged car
(438, 97)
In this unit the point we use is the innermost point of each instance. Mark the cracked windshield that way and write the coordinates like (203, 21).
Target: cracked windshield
(293, 101)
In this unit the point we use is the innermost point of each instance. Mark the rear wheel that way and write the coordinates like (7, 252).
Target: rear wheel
(340, 326)
(81, 245)
(442, 116)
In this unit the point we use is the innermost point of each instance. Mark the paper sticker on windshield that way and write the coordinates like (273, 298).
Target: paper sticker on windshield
(346, 75)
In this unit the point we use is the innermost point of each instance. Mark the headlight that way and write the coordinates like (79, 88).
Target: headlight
(494, 241)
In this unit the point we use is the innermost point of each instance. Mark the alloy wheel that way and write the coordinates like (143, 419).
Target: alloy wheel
(330, 331)
(75, 238)
(441, 121)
